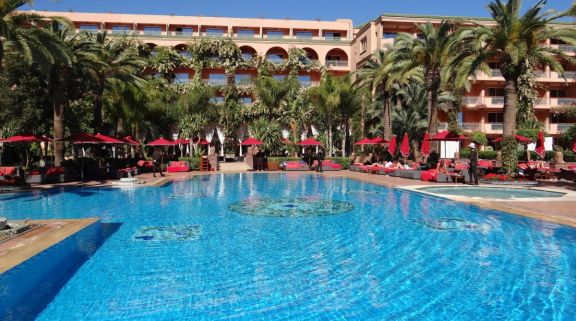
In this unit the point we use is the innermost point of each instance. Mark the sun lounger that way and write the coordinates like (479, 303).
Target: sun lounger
(294, 166)
(178, 166)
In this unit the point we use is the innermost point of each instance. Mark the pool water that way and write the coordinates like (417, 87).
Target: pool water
(491, 192)
(199, 250)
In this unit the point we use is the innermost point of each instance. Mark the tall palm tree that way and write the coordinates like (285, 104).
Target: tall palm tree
(379, 75)
(119, 63)
(429, 53)
(272, 94)
(516, 43)
(79, 55)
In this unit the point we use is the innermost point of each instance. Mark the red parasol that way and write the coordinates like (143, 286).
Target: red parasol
(447, 136)
(309, 142)
(540, 150)
(162, 142)
(519, 139)
(405, 147)
(425, 149)
(378, 140)
(130, 141)
(364, 141)
(108, 140)
(25, 138)
(182, 141)
(392, 147)
(251, 141)
(83, 138)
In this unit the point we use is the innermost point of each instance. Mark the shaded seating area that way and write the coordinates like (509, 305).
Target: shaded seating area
(178, 166)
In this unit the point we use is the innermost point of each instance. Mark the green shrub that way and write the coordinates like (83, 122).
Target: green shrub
(480, 138)
(569, 156)
(345, 162)
(465, 152)
(487, 154)
(193, 161)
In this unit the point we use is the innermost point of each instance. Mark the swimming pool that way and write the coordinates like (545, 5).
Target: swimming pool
(252, 247)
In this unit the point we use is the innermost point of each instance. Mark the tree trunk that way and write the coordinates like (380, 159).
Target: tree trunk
(509, 154)
(432, 97)
(97, 112)
(346, 137)
(294, 129)
(330, 139)
(120, 127)
(59, 107)
(386, 117)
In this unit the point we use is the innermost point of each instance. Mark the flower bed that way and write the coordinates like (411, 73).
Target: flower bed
(502, 179)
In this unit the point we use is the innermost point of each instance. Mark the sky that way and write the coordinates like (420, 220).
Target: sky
(360, 11)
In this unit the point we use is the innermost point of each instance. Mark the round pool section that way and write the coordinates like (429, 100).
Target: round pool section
(491, 192)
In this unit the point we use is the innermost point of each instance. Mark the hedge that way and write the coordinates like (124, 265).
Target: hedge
(345, 162)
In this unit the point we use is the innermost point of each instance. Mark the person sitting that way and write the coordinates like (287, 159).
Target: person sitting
(441, 166)
(388, 164)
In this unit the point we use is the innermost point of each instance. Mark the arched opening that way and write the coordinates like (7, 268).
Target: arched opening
(277, 55)
(337, 58)
(182, 49)
(247, 53)
(311, 54)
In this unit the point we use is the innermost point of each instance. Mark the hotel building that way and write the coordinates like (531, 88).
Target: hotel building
(340, 47)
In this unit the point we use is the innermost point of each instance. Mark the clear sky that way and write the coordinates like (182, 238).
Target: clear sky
(359, 11)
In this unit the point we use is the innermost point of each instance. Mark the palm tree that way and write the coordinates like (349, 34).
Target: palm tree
(19, 33)
(79, 55)
(516, 43)
(378, 75)
(410, 114)
(429, 53)
(119, 63)
(272, 94)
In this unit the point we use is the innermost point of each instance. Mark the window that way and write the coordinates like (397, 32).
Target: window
(247, 56)
(89, 28)
(184, 31)
(495, 117)
(275, 34)
(496, 92)
(215, 32)
(181, 78)
(276, 58)
(246, 33)
(217, 79)
(279, 77)
(364, 44)
(304, 78)
(246, 100)
(152, 30)
(243, 78)
(304, 34)
(332, 35)
(557, 93)
(390, 35)
(333, 58)
(120, 29)
(217, 100)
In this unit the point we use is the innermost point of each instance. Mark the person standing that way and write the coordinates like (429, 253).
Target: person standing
(472, 169)
(157, 160)
(320, 158)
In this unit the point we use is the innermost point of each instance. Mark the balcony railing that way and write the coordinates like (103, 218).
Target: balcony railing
(184, 33)
(564, 127)
(496, 126)
(215, 82)
(540, 74)
(567, 48)
(152, 32)
(496, 73)
(442, 126)
(308, 84)
(497, 100)
(336, 63)
(566, 101)
(569, 75)
(469, 127)
(472, 100)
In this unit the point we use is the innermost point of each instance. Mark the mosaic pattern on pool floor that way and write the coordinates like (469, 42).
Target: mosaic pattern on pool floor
(295, 207)
(168, 233)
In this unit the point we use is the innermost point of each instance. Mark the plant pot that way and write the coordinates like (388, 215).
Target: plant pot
(273, 166)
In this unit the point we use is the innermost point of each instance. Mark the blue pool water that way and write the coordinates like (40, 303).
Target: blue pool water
(491, 192)
(249, 247)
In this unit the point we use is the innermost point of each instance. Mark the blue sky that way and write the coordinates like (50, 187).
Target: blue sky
(359, 11)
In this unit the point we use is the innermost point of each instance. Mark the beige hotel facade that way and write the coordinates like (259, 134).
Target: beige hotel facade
(338, 45)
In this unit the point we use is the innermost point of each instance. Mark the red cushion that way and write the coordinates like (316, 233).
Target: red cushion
(6, 170)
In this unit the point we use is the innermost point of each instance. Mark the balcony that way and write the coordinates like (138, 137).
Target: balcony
(472, 101)
(496, 100)
(183, 33)
(563, 102)
(469, 127)
(336, 63)
(493, 128)
(559, 128)
(442, 126)
(215, 82)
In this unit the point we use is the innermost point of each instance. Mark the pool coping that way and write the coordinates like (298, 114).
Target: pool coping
(23, 247)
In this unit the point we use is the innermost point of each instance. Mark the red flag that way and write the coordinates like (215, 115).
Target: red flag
(392, 147)
(425, 149)
(405, 147)
(540, 145)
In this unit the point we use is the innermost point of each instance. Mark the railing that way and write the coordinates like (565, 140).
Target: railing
(540, 74)
(472, 100)
(245, 82)
(215, 82)
(181, 80)
(496, 73)
(239, 35)
(214, 34)
(183, 33)
(336, 63)
(542, 101)
(308, 84)
(274, 36)
(564, 127)
(569, 75)
(332, 38)
(496, 126)
(276, 60)
(303, 36)
(152, 32)
(120, 32)
(497, 100)
(469, 127)
(442, 126)
(566, 101)
(567, 48)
